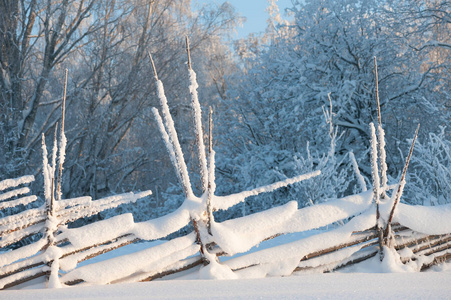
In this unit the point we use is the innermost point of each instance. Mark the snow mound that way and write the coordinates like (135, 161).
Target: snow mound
(98, 232)
(425, 219)
(153, 259)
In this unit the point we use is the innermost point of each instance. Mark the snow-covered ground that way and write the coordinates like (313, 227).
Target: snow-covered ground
(428, 285)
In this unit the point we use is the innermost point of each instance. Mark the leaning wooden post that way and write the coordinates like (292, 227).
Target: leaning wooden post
(63, 142)
(51, 225)
(204, 221)
(47, 178)
(211, 173)
(188, 52)
(197, 112)
(169, 127)
(169, 134)
(53, 222)
(381, 138)
(376, 190)
(51, 209)
(399, 190)
(153, 67)
(210, 130)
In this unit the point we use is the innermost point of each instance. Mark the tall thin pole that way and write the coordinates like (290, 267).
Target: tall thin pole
(188, 51)
(381, 137)
(400, 189)
(62, 141)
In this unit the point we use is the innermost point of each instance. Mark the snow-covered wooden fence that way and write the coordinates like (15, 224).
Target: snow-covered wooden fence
(375, 222)
(23, 263)
(423, 239)
(428, 240)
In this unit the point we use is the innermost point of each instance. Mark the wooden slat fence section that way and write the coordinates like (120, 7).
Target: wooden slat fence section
(439, 258)
(30, 262)
(165, 258)
(13, 227)
(86, 253)
(366, 246)
(21, 220)
(13, 183)
(181, 266)
(23, 277)
(271, 214)
(13, 203)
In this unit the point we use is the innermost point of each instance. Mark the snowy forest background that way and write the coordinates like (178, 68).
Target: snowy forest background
(269, 92)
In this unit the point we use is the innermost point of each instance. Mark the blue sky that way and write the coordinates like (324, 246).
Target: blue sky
(254, 11)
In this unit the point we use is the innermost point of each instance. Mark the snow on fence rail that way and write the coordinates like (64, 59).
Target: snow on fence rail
(11, 195)
(375, 223)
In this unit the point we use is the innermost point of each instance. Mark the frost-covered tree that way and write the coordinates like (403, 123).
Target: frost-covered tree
(429, 181)
(104, 44)
(115, 145)
(277, 107)
(35, 38)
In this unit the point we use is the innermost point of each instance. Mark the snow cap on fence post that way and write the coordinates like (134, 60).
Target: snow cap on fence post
(169, 126)
(197, 112)
(381, 136)
(62, 142)
(211, 173)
